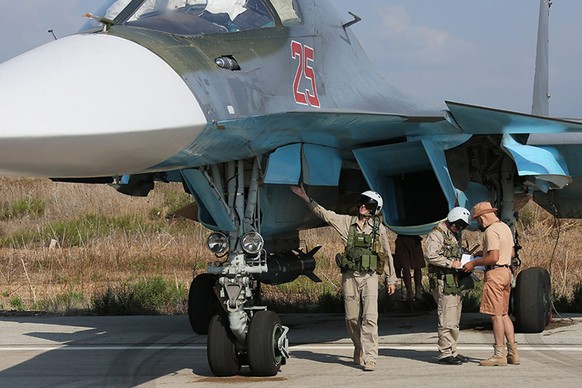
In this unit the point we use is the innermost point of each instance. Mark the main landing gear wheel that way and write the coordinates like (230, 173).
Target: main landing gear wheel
(202, 302)
(221, 350)
(264, 353)
(532, 305)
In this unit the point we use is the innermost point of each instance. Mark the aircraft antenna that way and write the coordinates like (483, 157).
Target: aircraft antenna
(541, 91)
(52, 32)
(356, 19)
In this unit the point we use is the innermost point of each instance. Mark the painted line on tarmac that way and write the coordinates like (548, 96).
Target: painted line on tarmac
(420, 347)
(99, 347)
(558, 348)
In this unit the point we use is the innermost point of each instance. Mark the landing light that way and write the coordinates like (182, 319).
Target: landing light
(217, 243)
(252, 243)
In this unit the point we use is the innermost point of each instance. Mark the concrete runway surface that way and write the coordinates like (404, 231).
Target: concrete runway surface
(127, 351)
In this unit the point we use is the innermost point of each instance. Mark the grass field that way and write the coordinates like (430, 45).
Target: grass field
(63, 245)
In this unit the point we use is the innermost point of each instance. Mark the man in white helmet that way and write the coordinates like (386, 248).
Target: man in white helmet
(367, 255)
(443, 254)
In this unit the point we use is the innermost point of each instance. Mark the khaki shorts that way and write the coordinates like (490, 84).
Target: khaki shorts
(495, 295)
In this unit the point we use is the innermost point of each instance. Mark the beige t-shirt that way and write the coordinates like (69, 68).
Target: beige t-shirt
(498, 236)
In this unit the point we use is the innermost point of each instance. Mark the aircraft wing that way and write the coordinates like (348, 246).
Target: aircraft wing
(405, 157)
(480, 120)
(339, 129)
(547, 152)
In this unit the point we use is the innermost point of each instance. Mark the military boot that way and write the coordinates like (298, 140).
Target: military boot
(512, 353)
(370, 366)
(499, 358)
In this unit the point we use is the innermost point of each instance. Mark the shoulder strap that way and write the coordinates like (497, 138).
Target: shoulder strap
(446, 236)
(351, 233)
(376, 243)
(375, 229)
(438, 227)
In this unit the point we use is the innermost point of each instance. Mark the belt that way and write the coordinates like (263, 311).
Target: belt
(490, 267)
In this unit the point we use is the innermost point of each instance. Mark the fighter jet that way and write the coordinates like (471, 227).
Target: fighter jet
(239, 99)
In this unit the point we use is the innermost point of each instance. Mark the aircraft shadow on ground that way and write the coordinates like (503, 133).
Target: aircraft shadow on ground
(131, 364)
(322, 328)
(110, 359)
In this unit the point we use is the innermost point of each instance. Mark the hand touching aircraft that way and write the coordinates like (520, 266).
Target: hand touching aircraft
(240, 99)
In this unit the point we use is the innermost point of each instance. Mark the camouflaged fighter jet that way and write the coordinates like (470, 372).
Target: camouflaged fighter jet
(240, 99)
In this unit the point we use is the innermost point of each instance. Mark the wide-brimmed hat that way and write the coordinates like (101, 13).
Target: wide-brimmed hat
(482, 208)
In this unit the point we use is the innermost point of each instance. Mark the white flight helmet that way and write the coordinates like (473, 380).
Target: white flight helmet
(459, 216)
(372, 200)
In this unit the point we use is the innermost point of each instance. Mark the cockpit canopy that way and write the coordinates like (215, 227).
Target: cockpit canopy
(197, 17)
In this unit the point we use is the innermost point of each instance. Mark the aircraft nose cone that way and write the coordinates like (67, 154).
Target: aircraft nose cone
(92, 105)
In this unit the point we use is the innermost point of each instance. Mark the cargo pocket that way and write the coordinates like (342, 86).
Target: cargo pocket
(365, 262)
(373, 262)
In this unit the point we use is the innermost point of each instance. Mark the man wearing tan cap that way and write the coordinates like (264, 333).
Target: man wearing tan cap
(497, 253)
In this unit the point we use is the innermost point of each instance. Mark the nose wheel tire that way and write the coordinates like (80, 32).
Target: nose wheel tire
(264, 353)
(221, 350)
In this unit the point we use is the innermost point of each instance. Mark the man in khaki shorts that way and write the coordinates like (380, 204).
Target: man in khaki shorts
(497, 253)
(367, 245)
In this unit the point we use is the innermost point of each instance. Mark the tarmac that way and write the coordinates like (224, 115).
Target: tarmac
(128, 351)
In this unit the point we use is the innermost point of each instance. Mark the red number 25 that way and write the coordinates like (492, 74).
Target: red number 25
(304, 55)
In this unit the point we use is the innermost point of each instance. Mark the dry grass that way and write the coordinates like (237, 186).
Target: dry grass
(36, 272)
(33, 273)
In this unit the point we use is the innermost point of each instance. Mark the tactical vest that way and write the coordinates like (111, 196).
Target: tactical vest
(451, 247)
(363, 251)
(454, 281)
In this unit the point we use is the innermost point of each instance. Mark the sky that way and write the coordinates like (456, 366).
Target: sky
(475, 52)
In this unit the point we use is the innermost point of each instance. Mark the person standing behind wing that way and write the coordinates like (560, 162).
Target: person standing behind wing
(408, 256)
(367, 245)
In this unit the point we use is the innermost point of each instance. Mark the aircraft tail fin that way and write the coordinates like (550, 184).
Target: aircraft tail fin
(541, 90)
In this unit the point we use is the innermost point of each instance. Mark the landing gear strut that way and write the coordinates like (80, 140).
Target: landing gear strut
(223, 300)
